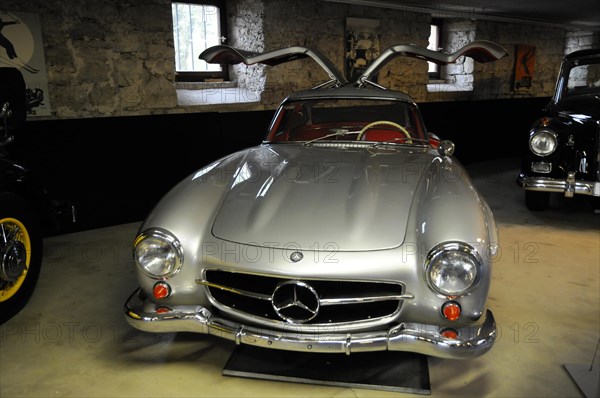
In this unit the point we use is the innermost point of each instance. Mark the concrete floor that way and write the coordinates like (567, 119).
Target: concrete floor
(72, 340)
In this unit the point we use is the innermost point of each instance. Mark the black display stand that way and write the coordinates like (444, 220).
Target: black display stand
(389, 371)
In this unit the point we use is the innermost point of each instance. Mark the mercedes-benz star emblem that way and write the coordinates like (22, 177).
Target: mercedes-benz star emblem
(295, 302)
(296, 256)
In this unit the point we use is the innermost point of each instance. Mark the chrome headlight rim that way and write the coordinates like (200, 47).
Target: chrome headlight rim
(173, 243)
(537, 133)
(441, 249)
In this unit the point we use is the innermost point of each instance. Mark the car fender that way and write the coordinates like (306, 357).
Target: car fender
(446, 196)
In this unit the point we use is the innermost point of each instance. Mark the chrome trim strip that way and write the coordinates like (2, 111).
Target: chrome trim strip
(236, 291)
(561, 186)
(414, 337)
(359, 300)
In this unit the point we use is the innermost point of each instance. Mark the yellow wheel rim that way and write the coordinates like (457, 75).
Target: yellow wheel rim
(12, 230)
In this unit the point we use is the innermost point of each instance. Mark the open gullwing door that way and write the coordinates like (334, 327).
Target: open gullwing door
(230, 56)
(481, 51)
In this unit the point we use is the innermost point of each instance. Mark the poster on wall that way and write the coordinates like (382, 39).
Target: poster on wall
(21, 47)
(362, 45)
(524, 67)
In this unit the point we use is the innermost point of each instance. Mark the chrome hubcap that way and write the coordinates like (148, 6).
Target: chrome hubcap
(14, 253)
(13, 261)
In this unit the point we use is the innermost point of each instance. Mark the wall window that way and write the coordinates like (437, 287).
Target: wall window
(434, 44)
(197, 26)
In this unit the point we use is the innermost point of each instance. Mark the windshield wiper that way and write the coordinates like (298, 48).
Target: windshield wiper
(413, 141)
(337, 133)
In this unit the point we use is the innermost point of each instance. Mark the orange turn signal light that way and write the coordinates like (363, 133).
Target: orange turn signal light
(449, 334)
(451, 310)
(161, 290)
(545, 121)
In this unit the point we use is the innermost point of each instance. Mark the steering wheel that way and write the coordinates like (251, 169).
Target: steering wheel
(383, 122)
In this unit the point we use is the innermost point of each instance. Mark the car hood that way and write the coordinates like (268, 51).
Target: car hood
(321, 198)
(583, 109)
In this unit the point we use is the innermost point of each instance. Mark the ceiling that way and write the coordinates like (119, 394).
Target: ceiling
(570, 14)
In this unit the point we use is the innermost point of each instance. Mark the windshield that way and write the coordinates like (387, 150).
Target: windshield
(370, 120)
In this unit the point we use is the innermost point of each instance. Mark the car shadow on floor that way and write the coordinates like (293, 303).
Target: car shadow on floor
(496, 180)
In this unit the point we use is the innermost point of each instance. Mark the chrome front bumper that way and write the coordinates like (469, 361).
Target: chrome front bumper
(425, 339)
(569, 186)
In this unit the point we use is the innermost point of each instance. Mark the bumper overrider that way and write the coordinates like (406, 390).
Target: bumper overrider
(473, 341)
(568, 186)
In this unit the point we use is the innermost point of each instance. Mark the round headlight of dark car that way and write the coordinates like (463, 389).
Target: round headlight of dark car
(452, 269)
(158, 253)
(543, 142)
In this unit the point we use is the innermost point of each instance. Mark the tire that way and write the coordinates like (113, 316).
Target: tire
(537, 201)
(20, 253)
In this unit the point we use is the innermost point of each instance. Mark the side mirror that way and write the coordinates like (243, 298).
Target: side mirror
(446, 148)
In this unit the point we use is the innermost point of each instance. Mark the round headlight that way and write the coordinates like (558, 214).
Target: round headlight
(542, 142)
(158, 253)
(452, 269)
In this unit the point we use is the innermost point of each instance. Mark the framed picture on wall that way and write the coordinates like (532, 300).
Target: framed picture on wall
(362, 45)
(524, 67)
(21, 47)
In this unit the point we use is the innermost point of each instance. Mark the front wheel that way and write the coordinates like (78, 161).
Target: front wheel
(537, 201)
(20, 253)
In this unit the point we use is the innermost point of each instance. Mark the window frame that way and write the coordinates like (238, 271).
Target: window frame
(198, 76)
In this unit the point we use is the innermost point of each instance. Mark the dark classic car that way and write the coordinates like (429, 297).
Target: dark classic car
(564, 144)
(27, 212)
(22, 203)
(348, 229)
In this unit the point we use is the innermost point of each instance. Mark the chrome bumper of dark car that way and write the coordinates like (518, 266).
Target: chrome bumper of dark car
(425, 339)
(569, 186)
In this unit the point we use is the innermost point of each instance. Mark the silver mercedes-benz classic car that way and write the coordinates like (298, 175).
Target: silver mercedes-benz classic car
(348, 229)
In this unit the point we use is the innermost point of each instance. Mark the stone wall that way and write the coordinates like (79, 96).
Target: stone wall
(245, 19)
(581, 40)
(495, 80)
(106, 57)
(116, 57)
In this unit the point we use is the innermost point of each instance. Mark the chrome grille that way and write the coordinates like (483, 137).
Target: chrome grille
(339, 301)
